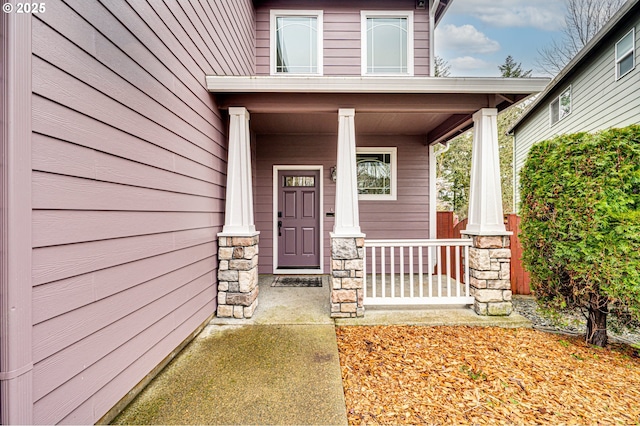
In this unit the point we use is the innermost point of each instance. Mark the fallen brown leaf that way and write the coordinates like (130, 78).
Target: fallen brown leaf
(464, 375)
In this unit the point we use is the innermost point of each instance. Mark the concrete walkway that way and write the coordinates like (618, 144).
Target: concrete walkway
(279, 367)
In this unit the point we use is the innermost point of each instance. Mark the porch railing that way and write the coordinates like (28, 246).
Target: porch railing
(416, 272)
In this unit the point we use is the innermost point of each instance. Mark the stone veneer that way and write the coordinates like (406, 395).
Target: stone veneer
(346, 279)
(237, 276)
(490, 274)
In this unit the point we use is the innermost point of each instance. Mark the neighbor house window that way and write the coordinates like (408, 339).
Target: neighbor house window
(561, 106)
(377, 174)
(625, 58)
(387, 43)
(296, 42)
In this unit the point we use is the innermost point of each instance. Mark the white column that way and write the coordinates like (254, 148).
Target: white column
(347, 222)
(485, 193)
(238, 218)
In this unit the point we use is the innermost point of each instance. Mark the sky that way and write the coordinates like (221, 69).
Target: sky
(475, 36)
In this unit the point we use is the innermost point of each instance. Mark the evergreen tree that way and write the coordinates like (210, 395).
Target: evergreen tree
(581, 225)
(512, 69)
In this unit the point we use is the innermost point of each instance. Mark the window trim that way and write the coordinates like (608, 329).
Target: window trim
(393, 152)
(557, 98)
(364, 14)
(631, 53)
(278, 13)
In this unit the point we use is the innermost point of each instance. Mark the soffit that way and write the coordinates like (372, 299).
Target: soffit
(327, 123)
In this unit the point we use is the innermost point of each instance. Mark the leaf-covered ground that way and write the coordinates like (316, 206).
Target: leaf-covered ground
(462, 375)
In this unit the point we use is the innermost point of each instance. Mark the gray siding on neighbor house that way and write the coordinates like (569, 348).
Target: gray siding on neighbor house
(598, 100)
(129, 159)
(342, 31)
(405, 217)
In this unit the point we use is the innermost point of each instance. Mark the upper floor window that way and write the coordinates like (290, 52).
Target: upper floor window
(296, 42)
(561, 106)
(625, 59)
(387, 42)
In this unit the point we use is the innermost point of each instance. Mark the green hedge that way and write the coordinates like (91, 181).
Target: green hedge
(581, 219)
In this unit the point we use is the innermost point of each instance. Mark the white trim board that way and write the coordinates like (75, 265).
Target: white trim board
(370, 84)
(274, 224)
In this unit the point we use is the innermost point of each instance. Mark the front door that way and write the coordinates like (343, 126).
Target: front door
(298, 219)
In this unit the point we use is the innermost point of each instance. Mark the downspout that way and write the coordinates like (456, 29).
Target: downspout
(16, 360)
(433, 6)
(432, 193)
(514, 177)
(433, 189)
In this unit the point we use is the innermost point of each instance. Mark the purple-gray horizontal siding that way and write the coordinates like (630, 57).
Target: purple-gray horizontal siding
(405, 217)
(342, 33)
(129, 162)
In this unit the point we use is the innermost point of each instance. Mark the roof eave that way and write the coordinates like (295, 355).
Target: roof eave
(332, 84)
(443, 5)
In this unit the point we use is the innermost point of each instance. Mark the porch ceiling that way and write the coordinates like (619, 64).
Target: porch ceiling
(438, 108)
(410, 123)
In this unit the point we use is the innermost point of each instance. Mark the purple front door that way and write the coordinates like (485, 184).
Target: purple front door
(298, 219)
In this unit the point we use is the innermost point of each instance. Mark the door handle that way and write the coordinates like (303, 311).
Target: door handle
(279, 228)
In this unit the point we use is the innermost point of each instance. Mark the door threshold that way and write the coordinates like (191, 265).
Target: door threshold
(293, 271)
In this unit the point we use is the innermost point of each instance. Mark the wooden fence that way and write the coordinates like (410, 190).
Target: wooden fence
(448, 227)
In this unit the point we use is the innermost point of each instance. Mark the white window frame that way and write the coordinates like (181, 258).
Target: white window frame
(277, 13)
(408, 14)
(557, 99)
(630, 52)
(393, 151)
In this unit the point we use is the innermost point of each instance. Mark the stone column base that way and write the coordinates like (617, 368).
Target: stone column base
(237, 276)
(346, 279)
(490, 275)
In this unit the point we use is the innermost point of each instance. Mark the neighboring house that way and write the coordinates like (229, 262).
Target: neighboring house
(598, 89)
(131, 172)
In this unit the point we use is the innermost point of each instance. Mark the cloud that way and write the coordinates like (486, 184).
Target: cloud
(464, 39)
(546, 15)
(468, 65)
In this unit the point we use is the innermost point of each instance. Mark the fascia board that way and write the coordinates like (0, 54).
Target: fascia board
(280, 84)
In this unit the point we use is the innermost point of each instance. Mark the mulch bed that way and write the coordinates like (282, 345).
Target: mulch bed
(477, 375)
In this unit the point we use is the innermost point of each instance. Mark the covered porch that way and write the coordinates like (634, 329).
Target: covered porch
(317, 127)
